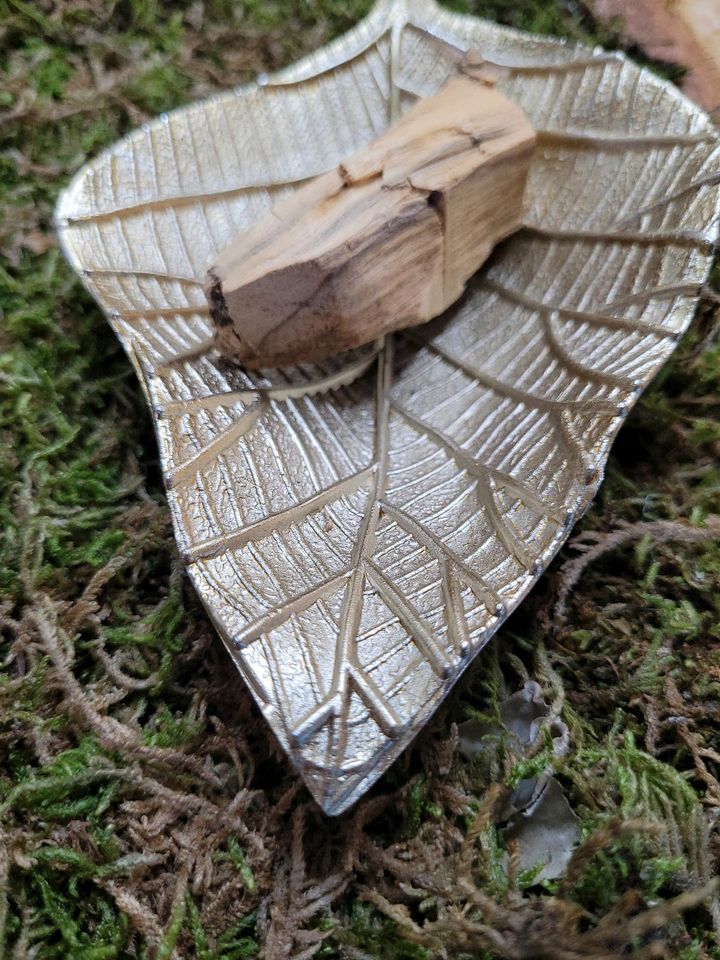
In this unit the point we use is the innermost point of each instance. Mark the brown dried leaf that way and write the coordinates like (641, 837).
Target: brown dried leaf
(686, 32)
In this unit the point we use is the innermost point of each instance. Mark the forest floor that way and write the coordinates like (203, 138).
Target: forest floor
(145, 810)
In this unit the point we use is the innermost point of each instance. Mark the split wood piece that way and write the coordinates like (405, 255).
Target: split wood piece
(386, 240)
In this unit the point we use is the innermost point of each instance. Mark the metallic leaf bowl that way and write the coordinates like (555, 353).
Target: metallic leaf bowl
(358, 529)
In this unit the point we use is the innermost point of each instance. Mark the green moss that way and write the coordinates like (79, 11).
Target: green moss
(234, 944)
(366, 930)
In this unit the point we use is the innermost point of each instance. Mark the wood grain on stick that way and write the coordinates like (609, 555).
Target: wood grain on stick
(386, 240)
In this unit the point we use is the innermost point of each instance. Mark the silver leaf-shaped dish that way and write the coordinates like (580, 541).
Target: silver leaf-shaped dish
(357, 530)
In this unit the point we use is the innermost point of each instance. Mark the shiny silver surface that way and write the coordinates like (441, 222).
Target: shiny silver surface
(358, 530)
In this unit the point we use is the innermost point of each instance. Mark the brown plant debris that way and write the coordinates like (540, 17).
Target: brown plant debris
(592, 544)
(685, 32)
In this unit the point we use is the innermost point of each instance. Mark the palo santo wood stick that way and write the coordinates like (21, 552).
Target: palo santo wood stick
(386, 240)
